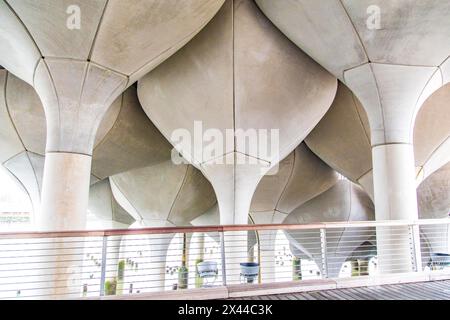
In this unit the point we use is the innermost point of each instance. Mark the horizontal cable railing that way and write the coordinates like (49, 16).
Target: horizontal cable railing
(74, 264)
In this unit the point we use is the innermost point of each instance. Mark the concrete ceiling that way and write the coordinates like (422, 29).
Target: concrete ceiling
(301, 176)
(126, 139)
(231, 64)
(238, 72)
(342, 137)
(163, 194)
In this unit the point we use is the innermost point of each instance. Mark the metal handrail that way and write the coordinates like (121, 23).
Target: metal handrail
(91, 257)
(218, 228)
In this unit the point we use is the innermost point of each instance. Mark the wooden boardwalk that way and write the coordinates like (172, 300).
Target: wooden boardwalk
(435, 290)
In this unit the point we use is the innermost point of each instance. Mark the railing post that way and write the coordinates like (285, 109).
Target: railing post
(416, 247)
(222, 256)
(103, 268)
(323, 246)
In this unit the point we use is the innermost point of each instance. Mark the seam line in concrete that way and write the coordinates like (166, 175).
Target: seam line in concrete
(91, 50)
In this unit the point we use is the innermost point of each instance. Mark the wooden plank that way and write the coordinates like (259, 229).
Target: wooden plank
(334, 296)
(439, 285)
(416, 294)
(398, 291)
(409, 295)
(317, 295)
(411, 291)
(326, 295)
(357, 294)
(299, 296)
(387, 294)
(307, 296)
(366, 294)
(427, 292)
(375, 293)
(342, 294)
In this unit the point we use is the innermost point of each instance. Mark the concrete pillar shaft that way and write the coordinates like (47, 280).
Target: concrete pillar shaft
(394, 182)
(65, 191)
(267, 247)
(395, 199)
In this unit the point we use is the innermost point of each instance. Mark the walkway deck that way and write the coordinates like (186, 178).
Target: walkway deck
(434, 290)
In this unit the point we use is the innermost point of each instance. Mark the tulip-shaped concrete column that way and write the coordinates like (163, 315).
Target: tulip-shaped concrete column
(301, 177)
(390, 75)
(75, 96)
(238, 79)
(238, 76)
(392, 96)
(78, 65)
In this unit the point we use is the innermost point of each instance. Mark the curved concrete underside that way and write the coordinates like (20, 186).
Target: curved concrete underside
(301, 176)
(391, 68)
(239, 72)
(163, 194)
(106, 211)
(434, 203)
(78, 67)
(342, 137)
(233, 75)
(112, 34)
(434, 194)
(345, 201)
(126, 139)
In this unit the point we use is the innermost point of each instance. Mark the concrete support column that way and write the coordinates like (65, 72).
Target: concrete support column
(267, 248)
(394, 182)
(65, 194)
(236, 251)
(395, 199)
(145, 258)
(65, 191)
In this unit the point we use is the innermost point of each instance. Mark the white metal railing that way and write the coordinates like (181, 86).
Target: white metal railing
(73, 264)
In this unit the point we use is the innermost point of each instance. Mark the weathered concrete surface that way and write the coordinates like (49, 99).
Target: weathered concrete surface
(164, 194)
(386, 68)
(432, 133)
(27, 168)
(79, 70)
(239, 72)
(434, 203)
(342, 137)
(345, 201)
(30, 32)
(132, 142)
(126, 138)
(103, 211)
(434, 194)
(301, 176)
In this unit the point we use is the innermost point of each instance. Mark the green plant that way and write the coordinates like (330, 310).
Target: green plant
(121, 269)
(110, 287)
(296, 269)
(120, 276)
